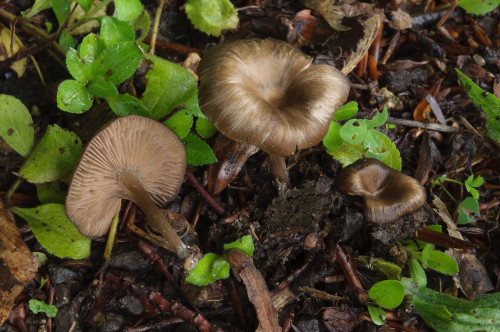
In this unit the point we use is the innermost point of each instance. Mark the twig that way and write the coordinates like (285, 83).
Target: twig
(351, 275)
(288, 280)
(157, 326)
(425, 125)
(447, 15)
(208, 198)
(156, 23)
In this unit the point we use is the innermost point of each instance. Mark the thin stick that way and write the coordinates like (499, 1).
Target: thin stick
(111, 236)
(156, 23)
(210, 200)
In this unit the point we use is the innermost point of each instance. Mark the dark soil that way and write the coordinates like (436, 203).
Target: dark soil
(296, 231)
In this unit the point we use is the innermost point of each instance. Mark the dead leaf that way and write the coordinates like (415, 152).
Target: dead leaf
(6, 47)
(17, 265)
(401, 20)
(472, 277)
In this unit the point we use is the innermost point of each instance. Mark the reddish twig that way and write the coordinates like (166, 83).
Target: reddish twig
(157, 326)
(288, 321)
(288, 280)
(208, 198)
(346, 266)
(373, 54)
(447, 14)
(236, 303)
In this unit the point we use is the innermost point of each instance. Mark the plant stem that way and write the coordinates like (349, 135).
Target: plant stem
(111, 236)
(154, 30)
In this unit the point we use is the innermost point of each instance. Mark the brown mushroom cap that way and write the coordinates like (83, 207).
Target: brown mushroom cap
(133, 144)
(267, 93)
(388, 194)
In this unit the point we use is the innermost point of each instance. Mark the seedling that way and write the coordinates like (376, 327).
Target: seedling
(214, 267)
(358, 138)
(469, 204)
(37, 306)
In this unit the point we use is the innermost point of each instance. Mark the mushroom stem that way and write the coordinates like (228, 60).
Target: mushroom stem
(278, 169)
(154, 215)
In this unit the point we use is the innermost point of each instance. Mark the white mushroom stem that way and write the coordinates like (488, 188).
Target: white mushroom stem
(278, 169)
(155, 217)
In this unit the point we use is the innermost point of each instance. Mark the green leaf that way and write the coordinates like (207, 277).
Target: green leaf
(332, 140)
(478, 7)
(37, 306)
(346, 112)
(205, 128)
(118, 62)
(126, 104)
(180, 123)
(126, 10)
(371, 141)
(354, 131)
(475, 182)
(169, 86)
(469, 204)
(86, 4)
(54, 157)
(66, 41)
(347, 153)
(16, 127)
(424, 256)
(55, 232)
(441, 262)
(388, 151)
(488, 102)
(377, 315)
(245, 245)
(73, 97)
(192, 105)
(141, 25)
(61, 9)
(209, 269)
(102, 88)
(212, 16)
(378, 120)
(198, 151)
(90, 48)
(52, 192)
(389, 270)
(77, 67)
(114, 31)
(417, 272)
(38, 6)
(387, 293)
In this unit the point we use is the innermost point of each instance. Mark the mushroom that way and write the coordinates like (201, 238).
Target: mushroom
(267, 93)
(388, 194)
(133, 158)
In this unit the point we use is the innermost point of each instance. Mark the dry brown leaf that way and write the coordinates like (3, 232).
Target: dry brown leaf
(5, 50)
(401, 20)
(17, 265)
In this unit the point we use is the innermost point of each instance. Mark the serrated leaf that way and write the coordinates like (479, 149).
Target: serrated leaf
(387, 152)
(61, 8)
(169, 86)
(478, 7)
(192, 105)
(488, 102)
(52, 192)
(125, 104)
(212, 16)
(205, 128)
(180, 123)
(245, 245)
(378, 120)
(118, 62)
(16, 126)
(73, 97)
(417, 272)
(387, 293)
(441, 262)
(90, 48)
(347, 153)
(126, 10)
(77, 67)
(54, 157)
(114, 31)
(332, 139)
(346, 112)
(102, 88)
(37, 306)
(354, 131)
(377, 315)
(198, 151)
(55, 232)
(86, 4)
(204, 272)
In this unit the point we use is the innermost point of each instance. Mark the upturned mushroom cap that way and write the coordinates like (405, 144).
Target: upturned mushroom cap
(267, 93)
(133, 144)
(388, 194)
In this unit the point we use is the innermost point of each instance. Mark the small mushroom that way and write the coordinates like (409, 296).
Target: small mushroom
(388, 194)
(267, 93)
(133, 158)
